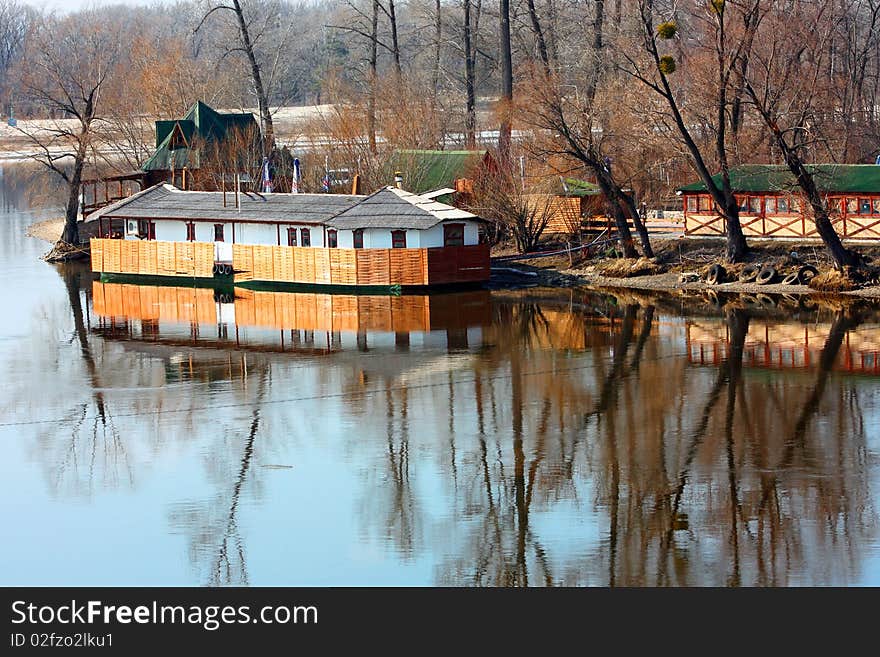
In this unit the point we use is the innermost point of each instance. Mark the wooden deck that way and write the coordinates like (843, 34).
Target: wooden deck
(299, 265)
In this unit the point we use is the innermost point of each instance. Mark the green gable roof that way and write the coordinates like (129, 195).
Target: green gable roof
(426, 170)
(576, 187)
(200, 121)
(830, 178)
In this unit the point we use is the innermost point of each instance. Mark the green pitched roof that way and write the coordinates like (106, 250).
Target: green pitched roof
(576, 187)
(200, 121)
(426, 170)
(830, 178)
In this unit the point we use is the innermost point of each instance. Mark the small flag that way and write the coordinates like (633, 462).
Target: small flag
(325, 183)
(297, 176)
(267, 178)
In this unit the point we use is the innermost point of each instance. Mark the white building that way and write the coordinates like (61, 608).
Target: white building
(389, 218)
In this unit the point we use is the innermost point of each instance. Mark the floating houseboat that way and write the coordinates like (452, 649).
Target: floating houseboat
(391, 238)
(771, 205)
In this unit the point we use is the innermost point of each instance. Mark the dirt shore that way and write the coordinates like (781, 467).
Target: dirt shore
(679, 256)
(48, 230)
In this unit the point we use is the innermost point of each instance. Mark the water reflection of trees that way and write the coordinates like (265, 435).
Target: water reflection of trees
(725, 477)
(574, 445)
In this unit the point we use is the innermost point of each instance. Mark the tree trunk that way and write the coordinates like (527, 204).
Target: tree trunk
(70, 234)
(842, 256)
(262, 99)
(638, 221)
(438, 38)
(598, 46)
(395, 45)
(505, 130)
(539, 37)
(603, 176)
(374, 58)
(470, 117)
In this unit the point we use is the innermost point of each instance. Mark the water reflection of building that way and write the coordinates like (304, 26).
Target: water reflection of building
(286, 321)
(776, 344)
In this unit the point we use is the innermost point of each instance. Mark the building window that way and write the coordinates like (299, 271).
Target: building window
(692, 203)
(453, 235)
(332, 240)
(305, 236)
(398, 239)
(190, 232)
(754, 204)
(770, 205)
(865, 206)
(291, 237)
(743, 203)
(705, 204)
(358, 238)
(146, 229)
(852, 206)
(877, 206)
(782, 205)
(218, 232)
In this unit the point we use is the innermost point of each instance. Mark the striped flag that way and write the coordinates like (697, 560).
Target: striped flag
(297, 176)
(267, 178)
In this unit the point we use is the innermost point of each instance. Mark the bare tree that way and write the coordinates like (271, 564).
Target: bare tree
(247, 46)
(15, 19)
(728, 48)
(785, 74)
(521, 209)
(70, 61)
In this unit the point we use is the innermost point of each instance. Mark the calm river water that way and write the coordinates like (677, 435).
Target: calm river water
(168, 436)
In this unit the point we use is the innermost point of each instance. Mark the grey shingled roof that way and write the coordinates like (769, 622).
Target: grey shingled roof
(166, 202)
(395, 208)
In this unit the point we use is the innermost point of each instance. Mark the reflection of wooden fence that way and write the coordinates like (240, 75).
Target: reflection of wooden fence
(784, 346)
(145, 302)
(290, 264)
(190, 259)
(303, 311)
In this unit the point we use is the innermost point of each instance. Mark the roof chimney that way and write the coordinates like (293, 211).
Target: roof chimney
(398, 179)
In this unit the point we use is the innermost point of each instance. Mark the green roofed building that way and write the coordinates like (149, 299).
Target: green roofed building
(195, 141)
(771, 203)
(430, 170)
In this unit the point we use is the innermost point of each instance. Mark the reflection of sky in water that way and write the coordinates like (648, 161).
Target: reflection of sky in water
(401, 464)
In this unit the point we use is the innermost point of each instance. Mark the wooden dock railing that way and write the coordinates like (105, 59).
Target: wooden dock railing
(291, 264)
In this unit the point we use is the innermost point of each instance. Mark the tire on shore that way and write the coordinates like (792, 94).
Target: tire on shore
(766, 276)
(717, 274)
(807, 273)
(749, 273)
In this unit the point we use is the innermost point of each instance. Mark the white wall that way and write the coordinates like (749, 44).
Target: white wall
(256, 234)
(378, 238)
(345, 239)
(170, 231)
(247, 233)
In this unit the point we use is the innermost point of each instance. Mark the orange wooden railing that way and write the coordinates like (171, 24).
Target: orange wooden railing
(290, 264)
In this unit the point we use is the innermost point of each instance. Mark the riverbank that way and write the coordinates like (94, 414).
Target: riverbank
(683, 265)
